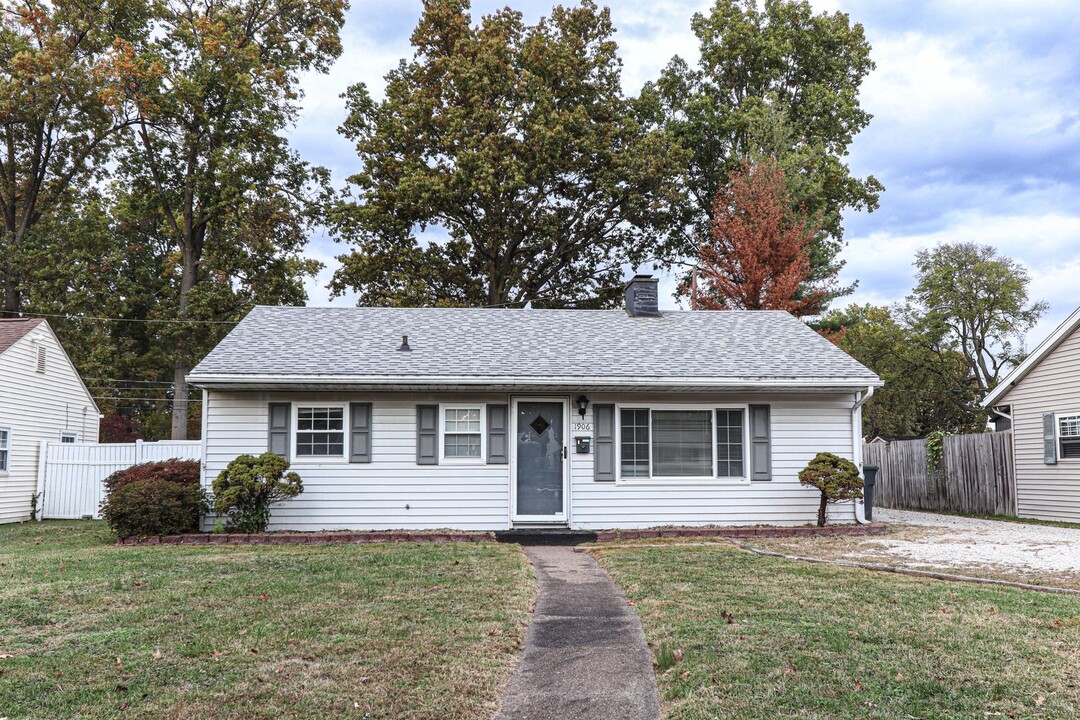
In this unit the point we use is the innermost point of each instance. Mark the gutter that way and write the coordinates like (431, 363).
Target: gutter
(856, 441)
(209, 379)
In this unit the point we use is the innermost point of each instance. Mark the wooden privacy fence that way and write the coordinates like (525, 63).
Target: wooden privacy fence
(70, 482)
(976, 475)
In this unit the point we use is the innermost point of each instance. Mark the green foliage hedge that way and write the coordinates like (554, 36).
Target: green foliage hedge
(162, 498)
(837, 478)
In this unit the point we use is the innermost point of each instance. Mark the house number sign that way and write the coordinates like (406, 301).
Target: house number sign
(583, 427)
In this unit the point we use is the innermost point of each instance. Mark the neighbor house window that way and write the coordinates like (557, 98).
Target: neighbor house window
(1069, 436)
(320, 432)
(69, 437)
(634, 442)
(682, 443)
(461, 434)
(5, 448)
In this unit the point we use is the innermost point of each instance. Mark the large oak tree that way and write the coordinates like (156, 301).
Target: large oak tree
(774, 80)
(503, 166)
(208, 164)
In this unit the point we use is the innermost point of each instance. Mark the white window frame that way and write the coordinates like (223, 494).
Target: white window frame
(443, 407)
(7, 458)
(73, 434)
(295, 432)
(1058, 417)
(713, 479)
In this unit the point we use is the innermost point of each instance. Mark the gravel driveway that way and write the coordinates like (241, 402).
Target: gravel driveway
(931, 540)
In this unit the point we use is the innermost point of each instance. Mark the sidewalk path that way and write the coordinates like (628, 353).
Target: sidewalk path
(585, 654)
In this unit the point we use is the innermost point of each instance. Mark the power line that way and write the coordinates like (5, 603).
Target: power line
(131, 320)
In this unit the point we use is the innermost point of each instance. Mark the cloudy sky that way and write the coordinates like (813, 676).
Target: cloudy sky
(976, 129)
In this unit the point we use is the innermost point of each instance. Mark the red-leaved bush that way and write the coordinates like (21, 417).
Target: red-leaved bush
(162, 498)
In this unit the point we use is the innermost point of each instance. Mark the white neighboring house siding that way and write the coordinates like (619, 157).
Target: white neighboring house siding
(1048, 492)
(340, 495)
(38, 406)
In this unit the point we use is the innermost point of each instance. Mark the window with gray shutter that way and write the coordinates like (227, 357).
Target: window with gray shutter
(604, 450)
(498, 446)
(359, 432)
(278, 435)
(427, 434)
(760, 443)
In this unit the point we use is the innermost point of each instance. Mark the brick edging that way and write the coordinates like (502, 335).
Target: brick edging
(309, 538)
(741, 532)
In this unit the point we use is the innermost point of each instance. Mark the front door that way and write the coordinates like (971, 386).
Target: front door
(540, 459)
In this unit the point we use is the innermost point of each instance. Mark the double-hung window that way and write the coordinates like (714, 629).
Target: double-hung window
(320, 431)
(5, 448)
(698, 443)
(1069, 436)
(462, 438)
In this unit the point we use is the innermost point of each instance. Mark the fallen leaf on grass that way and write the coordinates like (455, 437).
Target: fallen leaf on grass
(858, 686)
(1039, 701)
(157, 654)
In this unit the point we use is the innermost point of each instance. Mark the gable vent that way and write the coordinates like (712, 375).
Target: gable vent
(41, 359)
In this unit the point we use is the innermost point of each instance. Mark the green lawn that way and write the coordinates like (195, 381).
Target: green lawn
(91, 630)
(744, 636)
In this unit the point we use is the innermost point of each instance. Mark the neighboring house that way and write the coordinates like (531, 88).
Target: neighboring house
(490, 419)
(42, 397)
(1040, 399)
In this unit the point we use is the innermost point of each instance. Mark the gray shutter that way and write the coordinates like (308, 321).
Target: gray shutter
(1049, 439)
(359, 432)
(427, 434)
(278, 433)
(760, 443)
(498, 447)
(604, 444)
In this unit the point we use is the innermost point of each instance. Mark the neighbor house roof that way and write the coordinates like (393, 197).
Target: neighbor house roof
(1047, 346)
(496, 347)
(14, 329)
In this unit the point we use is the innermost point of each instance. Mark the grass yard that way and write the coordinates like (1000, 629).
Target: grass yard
(742, 636)
(91, 630)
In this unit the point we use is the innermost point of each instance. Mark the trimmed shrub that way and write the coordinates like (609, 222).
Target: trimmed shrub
(837, 478)
(162, 498)
(249, 485)
(184, 472)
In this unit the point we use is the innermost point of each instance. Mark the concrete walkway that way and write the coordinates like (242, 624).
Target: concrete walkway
(585, 654)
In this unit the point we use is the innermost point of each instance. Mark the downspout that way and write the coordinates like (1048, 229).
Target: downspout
(856, 441)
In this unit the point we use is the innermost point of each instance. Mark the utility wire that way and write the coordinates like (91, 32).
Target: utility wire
(131, 320)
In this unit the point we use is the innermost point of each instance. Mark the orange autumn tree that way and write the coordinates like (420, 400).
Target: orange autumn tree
(758, 255)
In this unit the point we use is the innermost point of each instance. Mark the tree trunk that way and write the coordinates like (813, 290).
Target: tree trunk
(12, 299)
(822, 510)
(181, 364)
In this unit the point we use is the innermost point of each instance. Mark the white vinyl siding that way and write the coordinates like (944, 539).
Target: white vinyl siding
(390, 492)
(1048, 492)
(36, 407)
(394, 492)
(802, 426)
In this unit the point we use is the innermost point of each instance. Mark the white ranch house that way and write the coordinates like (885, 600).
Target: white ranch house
(492, 419)
(42, 399)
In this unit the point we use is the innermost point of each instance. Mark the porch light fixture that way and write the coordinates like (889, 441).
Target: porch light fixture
(582, 403)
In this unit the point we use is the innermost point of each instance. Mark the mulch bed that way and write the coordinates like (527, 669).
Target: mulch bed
(384, 536)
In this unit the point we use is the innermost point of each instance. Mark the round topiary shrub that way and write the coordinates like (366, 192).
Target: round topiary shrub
(837, 478)
(249, 485)
(162, 498)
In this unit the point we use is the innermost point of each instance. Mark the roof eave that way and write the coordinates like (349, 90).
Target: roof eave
(1047, 346)
(211, 380)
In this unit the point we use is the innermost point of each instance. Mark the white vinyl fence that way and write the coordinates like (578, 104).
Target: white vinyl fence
(71, 476)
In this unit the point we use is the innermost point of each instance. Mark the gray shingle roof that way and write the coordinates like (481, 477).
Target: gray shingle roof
(466, 342)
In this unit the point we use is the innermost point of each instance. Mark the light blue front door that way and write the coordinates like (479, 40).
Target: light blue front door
(541, 454)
